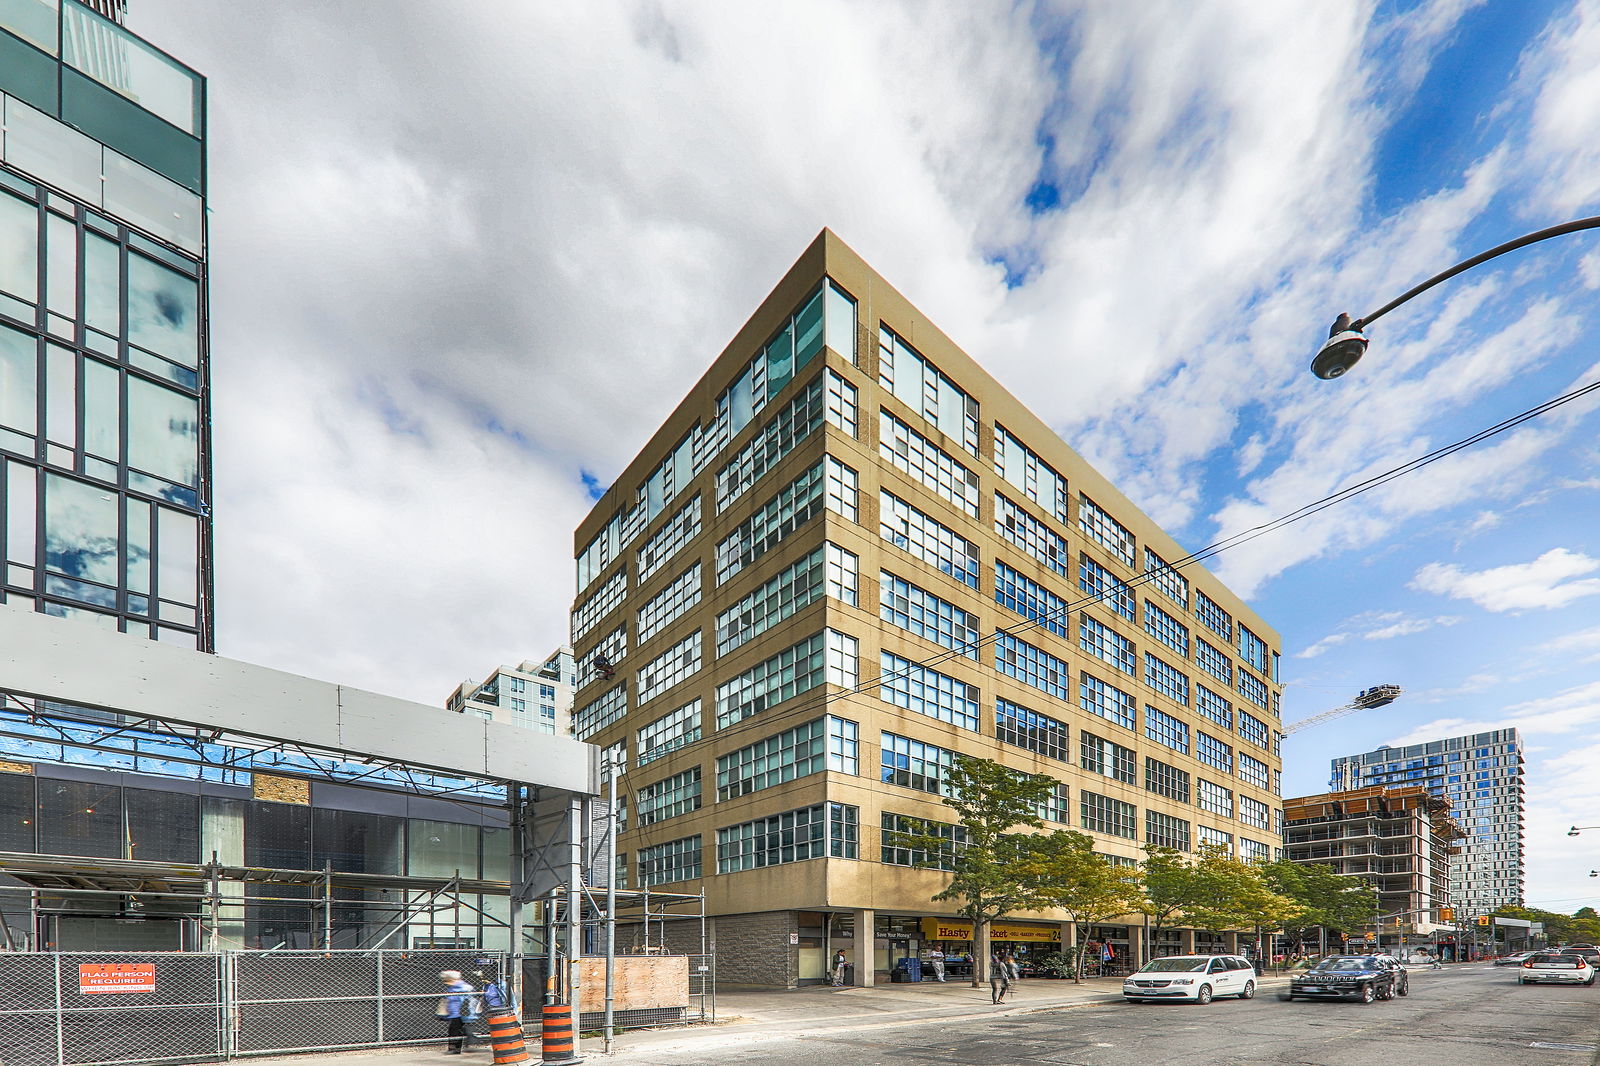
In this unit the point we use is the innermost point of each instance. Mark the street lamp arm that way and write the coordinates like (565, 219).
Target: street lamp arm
(1481, 257)
(1347, 343)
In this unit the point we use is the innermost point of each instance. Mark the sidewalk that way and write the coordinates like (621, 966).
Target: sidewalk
(745, 1018)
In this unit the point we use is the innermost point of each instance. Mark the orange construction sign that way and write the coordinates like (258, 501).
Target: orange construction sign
(117, 977)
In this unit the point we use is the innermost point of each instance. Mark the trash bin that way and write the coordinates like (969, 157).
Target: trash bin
(912, 968)
(850, 973)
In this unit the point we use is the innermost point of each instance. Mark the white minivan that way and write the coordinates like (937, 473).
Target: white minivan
(1191, 977)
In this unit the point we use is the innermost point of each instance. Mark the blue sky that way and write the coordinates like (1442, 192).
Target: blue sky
(467, 258)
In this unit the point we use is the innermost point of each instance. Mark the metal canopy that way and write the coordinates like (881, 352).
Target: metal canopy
(64, 872)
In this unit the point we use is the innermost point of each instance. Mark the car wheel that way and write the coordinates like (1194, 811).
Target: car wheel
(1367, 995)
(1203, 994)
(1405, 987)
(1386, 992)
(1589, 983)
(1249, 990)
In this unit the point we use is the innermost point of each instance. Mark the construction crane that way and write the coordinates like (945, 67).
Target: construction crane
(1366, 700)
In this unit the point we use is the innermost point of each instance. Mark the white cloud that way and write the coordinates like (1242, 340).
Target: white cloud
(1381, 626)
(1564, 140)
(1562, 713)
(1548, 581)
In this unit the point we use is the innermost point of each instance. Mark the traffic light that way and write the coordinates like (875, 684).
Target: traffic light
(1447, 914)
(1483, 919)
(1344, 936)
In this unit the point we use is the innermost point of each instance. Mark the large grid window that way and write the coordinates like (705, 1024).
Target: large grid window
(670, 603)
(892, 854)
(1214, 661)
(1099, 639)
(1213, 706)
(674, 730)
(680, 529)
(842, 408)
(1057, 806)
(1100, 583)
(1213, 752)
(916, 688)
(798, 419)
(1031, 665)
(842, 495)
(919, 385)
(827, 316)
(1212, 797)
(592, 612)
(921, 612)
(1107, 701)
(930, 464)
(790, 508)
(1171, 584)
(927, 539)
(676, 664)
(1102, 814)
(669, 797)
(1166, 679)
(1166, 831)
(796, 669)
(1038, 480)
(676, 860)
(1020, 528)
(1106, 758)
(826, 743)
(613, 645)
(913, 764)
(1254, 850)
(1167, 629)
(1164, 728)
(1165, 780)
(1252, 688)
(1252, 649)
(1030, 599)
(1212, 616)
(829, 570)
(1015, 724)
(1253, 771)
(793, 836)
(1253, 729)
(597, 714)
(1105, 530)
(1205, 836)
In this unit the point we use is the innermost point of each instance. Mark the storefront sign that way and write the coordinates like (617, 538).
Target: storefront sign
(117, 977)
(946, 929)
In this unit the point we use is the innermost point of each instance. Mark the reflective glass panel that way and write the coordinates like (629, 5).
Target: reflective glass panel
(101, 410)
(138, 548)
(102, 282)
(179, 553)
(152, 202)
(163, 432)
(61, 396)
(80, 530)
(57, 153)
(61, 265)
(442, 849)
(19, 514)
(163, 311)
(19, 383)
(122, 63)
(19, 248)
(32, 20)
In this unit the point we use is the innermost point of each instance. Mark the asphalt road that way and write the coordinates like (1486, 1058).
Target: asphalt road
(1461, 1016)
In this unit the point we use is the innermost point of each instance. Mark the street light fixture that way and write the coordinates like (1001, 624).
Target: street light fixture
(1347, 339)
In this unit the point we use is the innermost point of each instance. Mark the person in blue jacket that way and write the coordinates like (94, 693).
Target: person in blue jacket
(456, 1008)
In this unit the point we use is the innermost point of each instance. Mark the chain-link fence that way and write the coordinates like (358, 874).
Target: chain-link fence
(88, 1009)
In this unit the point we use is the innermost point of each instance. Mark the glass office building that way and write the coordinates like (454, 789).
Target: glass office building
(1482, 777)
(105, 469)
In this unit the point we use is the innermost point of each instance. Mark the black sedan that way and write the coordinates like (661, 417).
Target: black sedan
(1359, 977)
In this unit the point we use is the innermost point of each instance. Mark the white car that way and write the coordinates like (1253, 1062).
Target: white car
(1199, 978)
(1555, 966)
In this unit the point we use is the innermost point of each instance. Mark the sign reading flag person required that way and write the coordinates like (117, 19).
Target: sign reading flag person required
(117, 977)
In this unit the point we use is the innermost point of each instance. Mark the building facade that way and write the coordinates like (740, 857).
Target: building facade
(1398, 839)
(850, 555)
(104, 441)
(536, 696)
(1481, 776)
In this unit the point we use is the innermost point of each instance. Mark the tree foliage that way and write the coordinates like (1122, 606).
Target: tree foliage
(1061, 870)
(1333, 901)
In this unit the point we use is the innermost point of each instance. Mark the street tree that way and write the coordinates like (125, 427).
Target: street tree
(981, 850)
(1337, 903)
(1171, 887)
(1063, 871)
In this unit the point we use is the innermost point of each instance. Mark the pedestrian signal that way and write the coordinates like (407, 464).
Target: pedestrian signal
(1447, 914)
(1483, 919)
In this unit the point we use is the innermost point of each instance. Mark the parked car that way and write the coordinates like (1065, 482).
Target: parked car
(1588, 951)
(1556, 967)
(1360, 977)
(1199, 978)
(1513, 960)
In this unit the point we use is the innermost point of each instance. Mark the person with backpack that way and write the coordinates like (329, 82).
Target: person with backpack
(461, 1006)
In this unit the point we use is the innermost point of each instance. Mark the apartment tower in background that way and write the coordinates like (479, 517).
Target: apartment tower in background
(1482, 777)
(533, 695)
(849, 555)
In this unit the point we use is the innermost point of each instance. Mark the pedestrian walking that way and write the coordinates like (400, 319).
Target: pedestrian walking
(1437, 965)
(936, 960)
(1013, 968)
(838, 968)
(999, 978)
(457, 1008)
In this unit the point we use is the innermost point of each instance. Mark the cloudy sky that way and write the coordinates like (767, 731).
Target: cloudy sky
(466, 256)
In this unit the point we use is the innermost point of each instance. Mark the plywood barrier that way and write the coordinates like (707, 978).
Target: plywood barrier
(640, 982)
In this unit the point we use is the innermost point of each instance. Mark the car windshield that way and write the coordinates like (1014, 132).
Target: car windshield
(1347, 965)
(1176, 965)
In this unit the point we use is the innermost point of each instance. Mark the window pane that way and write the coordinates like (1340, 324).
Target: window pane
(163, 826)
(123, 63)
(61, 396)
(19, 384)
(61, 263)
(102, 305)
(102, 409)
(81, 818)
(162, 310)
(163, 432)
(175, 567)
(80, 530)
(138, 560)
(19, 248)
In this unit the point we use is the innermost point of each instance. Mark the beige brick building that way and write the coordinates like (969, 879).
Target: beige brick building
(847, 555)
